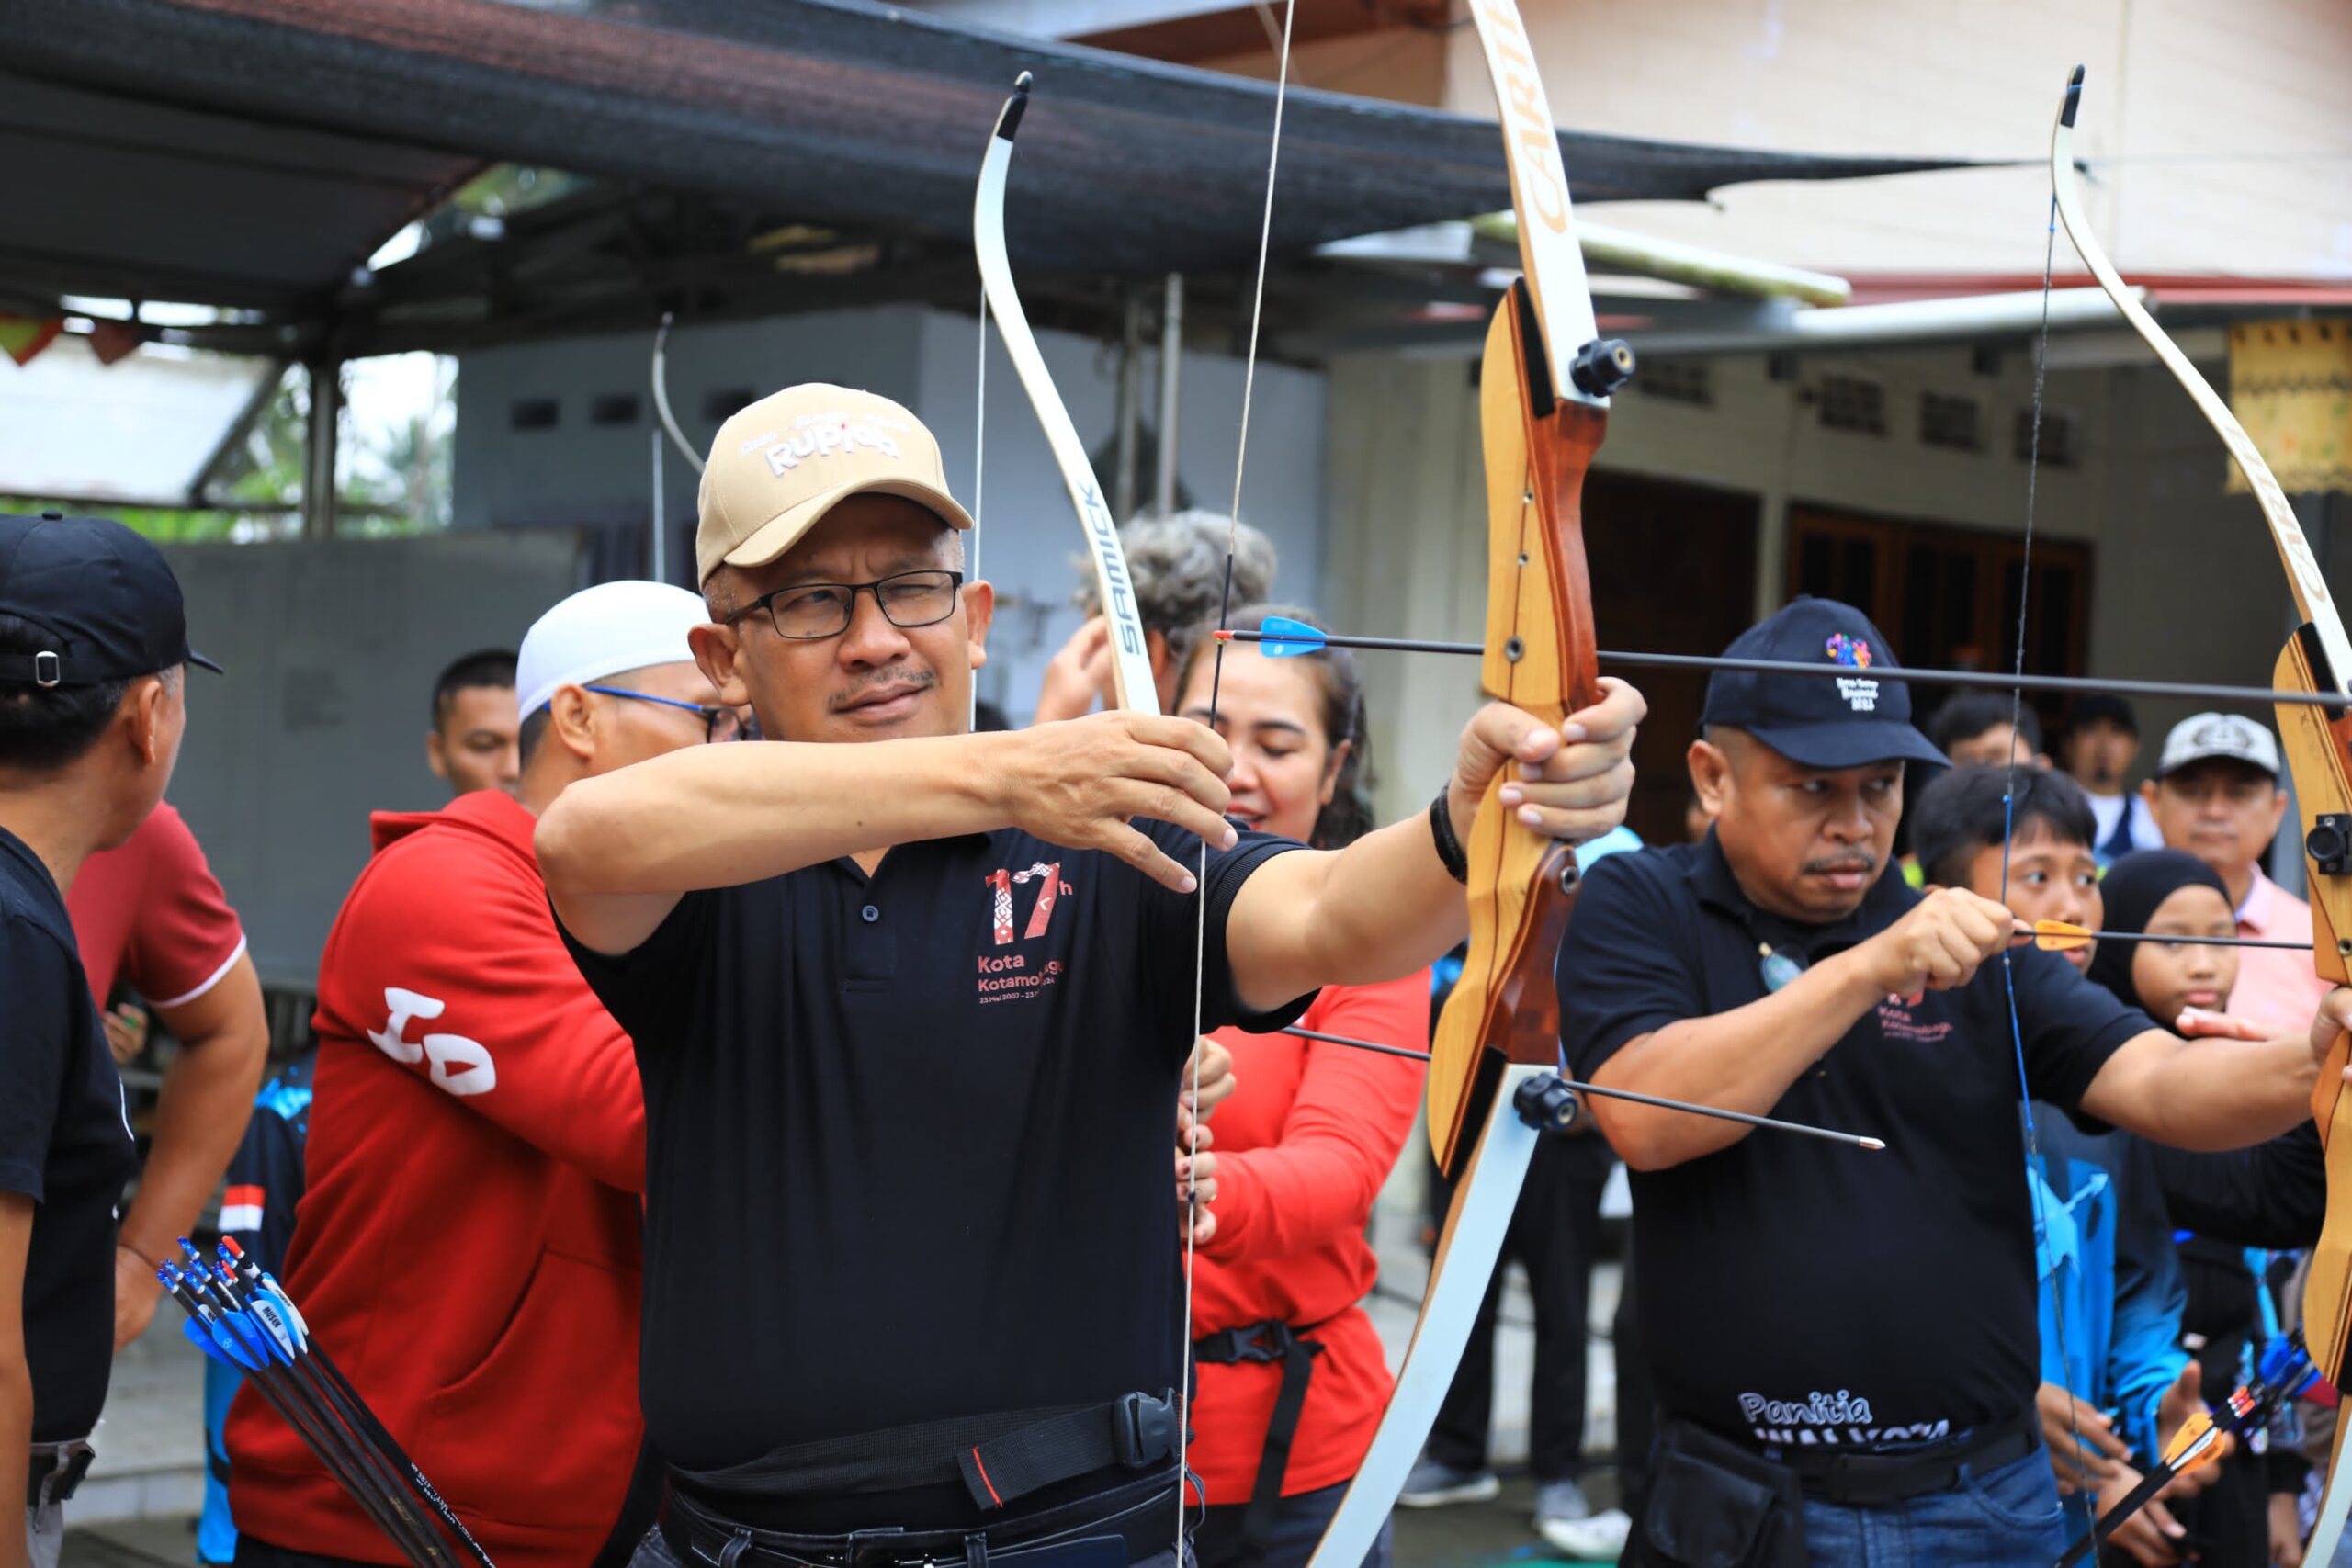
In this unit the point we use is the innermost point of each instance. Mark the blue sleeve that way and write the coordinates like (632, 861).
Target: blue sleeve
(2145, 1354)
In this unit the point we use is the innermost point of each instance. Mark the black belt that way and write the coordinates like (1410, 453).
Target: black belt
(1268, 1342)
(56, 1469)
(1138, 1514)
(1866, 1480)
(995, 1458)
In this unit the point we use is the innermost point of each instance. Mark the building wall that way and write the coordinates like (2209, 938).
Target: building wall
(581, 473)
(2193, 94)
(2227, 119)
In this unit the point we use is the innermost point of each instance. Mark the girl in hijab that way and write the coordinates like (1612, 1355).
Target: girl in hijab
(2227, 1205)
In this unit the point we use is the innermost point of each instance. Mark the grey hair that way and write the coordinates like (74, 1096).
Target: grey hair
(1178, 565)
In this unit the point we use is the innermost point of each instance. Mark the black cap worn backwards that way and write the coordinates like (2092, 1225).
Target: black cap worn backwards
(1858, 717)
(104, 594)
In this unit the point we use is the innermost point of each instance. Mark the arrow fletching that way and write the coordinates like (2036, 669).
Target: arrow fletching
(2057, 936)
(1280, 637)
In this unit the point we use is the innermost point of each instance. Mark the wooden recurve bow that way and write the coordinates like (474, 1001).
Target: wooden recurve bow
(1493, 1087)
(2318, 741)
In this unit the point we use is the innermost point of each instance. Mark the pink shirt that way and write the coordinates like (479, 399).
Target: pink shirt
(2275, 988)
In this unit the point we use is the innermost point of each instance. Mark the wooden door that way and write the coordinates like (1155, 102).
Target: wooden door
(1673, 571)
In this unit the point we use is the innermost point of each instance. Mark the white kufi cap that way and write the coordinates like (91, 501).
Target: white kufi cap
(603, 631)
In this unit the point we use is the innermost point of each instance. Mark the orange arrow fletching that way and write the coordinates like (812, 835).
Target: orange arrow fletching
(2057, 936)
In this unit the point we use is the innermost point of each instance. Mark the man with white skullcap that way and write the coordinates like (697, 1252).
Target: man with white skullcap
(467, 1242)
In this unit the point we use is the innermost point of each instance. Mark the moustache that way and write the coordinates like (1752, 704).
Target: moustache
(912, 680)
(1864, 864)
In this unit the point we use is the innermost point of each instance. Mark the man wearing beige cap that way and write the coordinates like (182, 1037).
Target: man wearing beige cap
(909, 1014)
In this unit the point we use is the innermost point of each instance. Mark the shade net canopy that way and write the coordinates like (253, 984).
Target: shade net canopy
(242, 151)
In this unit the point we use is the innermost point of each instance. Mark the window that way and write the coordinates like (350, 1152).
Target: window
(1953, 424)
(1852, 403)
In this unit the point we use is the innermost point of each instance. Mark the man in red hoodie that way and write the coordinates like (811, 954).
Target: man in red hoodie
(468, 1247)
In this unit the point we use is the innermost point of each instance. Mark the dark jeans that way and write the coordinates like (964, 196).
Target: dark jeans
(2005, 1516)
(1298, 1526)
(1555, 1233)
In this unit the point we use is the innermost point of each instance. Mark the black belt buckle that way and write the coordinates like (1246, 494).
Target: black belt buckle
(1143, 1429)
(885, 1544)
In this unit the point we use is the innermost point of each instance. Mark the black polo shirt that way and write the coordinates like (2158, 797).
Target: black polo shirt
(1801, 1291)
(910, 1140)
(65, 1143)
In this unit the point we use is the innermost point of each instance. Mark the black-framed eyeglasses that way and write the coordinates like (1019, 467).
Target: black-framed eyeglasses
(809, 611)
(717, 722)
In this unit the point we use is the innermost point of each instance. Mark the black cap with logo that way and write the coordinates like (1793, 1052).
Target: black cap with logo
(1861, 716)
(102, 591)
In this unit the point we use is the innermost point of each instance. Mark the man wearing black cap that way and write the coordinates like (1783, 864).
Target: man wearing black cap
(93, 639)
(1846, 1343)
(2102, 738)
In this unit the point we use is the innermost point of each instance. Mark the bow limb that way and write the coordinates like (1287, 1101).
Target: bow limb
(2318, 657)
(1492, 1086)
(660, 378)
(1131, 672)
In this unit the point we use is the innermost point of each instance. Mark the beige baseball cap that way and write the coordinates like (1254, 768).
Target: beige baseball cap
(780, 464)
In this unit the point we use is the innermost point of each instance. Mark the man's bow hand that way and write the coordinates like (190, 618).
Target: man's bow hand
(1568, 782)
(2334, 1016)
(1077, 785)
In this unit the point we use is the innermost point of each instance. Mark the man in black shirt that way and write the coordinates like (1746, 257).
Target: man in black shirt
(1846, 1344)
(93, 643)
(909, 1014)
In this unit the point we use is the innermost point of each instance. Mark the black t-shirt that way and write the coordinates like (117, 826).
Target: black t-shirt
(909, 1140)
(63, 1143)
(1798, 1292)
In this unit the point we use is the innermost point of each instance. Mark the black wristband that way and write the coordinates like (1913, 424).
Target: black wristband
(1449, 847)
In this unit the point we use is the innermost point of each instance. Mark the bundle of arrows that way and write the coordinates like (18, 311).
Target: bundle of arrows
(240, 1315)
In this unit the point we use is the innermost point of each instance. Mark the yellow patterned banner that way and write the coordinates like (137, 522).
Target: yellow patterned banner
(2291, 386)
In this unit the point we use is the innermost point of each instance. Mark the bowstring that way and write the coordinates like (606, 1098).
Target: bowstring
(2037, 1183)
(979, 455)
(1217, 679)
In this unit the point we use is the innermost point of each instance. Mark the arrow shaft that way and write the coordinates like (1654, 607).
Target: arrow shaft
(1660, 1101)
(1974, 679)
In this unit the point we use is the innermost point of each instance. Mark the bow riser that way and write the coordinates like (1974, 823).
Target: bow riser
(1540, 659)
(2316, 751)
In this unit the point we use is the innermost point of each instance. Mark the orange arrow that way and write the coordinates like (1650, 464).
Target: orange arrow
(2057, 936)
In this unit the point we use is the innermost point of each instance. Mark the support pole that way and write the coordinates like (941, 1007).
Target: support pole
(1171, 365)
(1130, 413)
(318, 449)
(657, 564)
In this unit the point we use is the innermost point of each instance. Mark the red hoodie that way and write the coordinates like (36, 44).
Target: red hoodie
(468, 1247)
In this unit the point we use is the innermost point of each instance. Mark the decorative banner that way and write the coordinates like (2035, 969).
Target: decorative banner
(2291, 386)
(21, 337)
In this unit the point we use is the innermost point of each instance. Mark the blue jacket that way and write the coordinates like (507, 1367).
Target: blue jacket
(2113, 1294)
